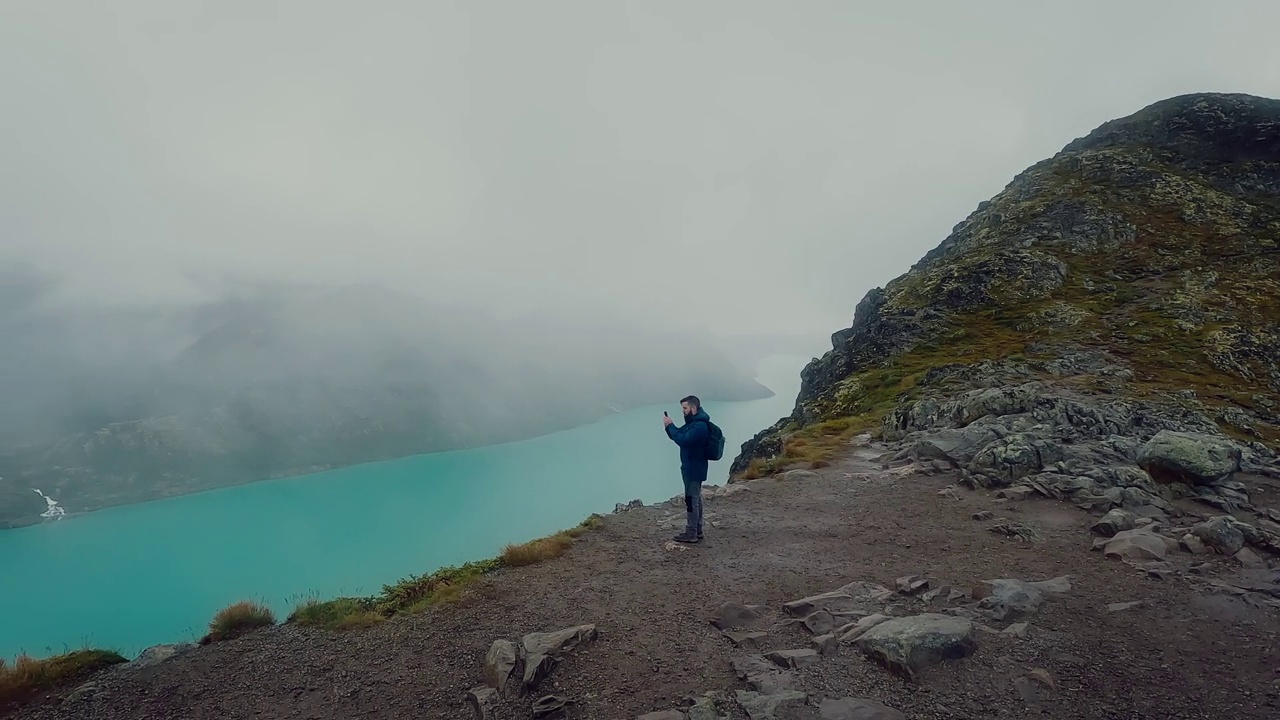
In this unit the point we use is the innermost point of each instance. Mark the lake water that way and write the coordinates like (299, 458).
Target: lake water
(134, 576)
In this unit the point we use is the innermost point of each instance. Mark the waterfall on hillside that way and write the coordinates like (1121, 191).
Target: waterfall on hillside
(54, 511)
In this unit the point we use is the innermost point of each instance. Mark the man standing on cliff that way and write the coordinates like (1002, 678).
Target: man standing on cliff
(692, 439)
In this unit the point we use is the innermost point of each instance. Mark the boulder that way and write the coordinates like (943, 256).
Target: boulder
(907, 645)
(1193, 545)
(854, 630)
(542, 651)
(825, 644)
(1015, 598)
(1191, 458)
(857, 709)
(1221, 533)
(782, 705)
(499, 664)
(1141, 543)
(852, 597)
(704, 708)
(482, 701)
(746, 639)
(911, 584)
(551, 707)
(1249, 559)
(820, 622)
(762, 675)
(624, 507)
(793, 659)
(1114, 521)
(732, 615)
(956, 446)
(157, 654)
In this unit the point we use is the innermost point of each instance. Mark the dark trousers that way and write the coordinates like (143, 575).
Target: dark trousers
(693, 507)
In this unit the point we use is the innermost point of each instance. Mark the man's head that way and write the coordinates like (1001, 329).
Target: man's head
(690, 405)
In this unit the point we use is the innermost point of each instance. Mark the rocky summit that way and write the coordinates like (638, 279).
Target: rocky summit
(1105, 329)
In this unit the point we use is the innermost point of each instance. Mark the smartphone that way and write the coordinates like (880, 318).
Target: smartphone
(664, 414)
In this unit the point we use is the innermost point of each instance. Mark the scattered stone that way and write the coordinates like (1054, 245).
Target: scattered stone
(157, 654)
(704, 708)
(793, 659)
(482, 700)
(800, 475)
(1221, 534)
(983, 515)
(855, 630)
(1122, 606)
(1137, 544)
(820, 622)
(542, 651)
(852, 597)
(906, 645)
(746, 639)
(1249, 559)
(1013, 598)
(760, 706)
(1043, 677)
(958, 594)
(624, 507)
(857, 709)
(1018, 530)
(673, 546)
(825, 644)
(551, 707)
(1018, 630)
(662, 715)
(762, 675)
(732, 615)
(1193, 545)
(1114, 521)
(499, 664)
(912, 584)
(1191, 458)
(1017, 492)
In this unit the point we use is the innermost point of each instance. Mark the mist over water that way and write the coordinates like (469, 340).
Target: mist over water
(155, 572)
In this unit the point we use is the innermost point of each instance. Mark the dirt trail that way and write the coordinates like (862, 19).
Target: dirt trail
(1182, 654)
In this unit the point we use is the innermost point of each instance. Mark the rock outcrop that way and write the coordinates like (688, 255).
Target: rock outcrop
(1105, 330)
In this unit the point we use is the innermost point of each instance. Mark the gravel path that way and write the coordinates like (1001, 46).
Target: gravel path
(1182, 654)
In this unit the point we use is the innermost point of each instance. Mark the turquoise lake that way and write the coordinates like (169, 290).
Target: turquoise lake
(134, 576)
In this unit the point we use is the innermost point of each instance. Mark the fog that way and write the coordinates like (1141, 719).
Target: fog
(737, 166)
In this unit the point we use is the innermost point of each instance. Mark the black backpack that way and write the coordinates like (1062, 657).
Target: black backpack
(715, 441)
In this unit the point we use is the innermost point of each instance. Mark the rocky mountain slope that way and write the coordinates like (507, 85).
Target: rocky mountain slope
(105, 407)
(1105, 329)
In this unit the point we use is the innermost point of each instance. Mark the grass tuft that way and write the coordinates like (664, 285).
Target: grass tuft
(28, 676)
(536, 551)
(237, 619)
(344, 613)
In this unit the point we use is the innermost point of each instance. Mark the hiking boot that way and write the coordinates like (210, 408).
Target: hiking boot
(687, 537)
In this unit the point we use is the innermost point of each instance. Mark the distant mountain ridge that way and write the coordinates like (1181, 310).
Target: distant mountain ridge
(300, 380)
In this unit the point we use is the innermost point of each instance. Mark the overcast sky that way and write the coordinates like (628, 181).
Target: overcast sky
(752, 165)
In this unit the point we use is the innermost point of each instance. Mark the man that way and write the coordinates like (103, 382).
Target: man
(692, 439)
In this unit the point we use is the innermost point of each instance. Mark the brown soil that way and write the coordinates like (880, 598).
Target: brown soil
(1185, 654)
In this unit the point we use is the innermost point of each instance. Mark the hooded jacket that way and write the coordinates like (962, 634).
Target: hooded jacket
(692, 439)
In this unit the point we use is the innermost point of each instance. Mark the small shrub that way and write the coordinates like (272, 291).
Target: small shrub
(585, 526)
(238, 619)
(343, 613)
(28, 675)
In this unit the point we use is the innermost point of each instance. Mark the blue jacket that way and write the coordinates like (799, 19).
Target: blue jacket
(692, 439)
